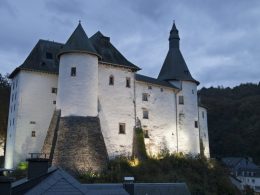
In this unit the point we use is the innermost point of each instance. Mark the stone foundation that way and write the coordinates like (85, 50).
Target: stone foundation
(79, 144)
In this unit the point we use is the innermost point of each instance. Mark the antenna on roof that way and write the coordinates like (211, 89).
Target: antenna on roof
(173, 21)
(80, 21)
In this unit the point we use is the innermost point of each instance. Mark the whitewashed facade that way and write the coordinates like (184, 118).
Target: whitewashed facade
(89, 85)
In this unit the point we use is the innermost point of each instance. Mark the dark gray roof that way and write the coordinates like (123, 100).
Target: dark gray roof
(174, 66)
(78, 42)
(108, 52)
(151, 80)
(161, 188)
(60, 182)
(38, 61)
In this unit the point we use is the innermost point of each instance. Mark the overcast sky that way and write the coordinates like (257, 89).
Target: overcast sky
(220, 40)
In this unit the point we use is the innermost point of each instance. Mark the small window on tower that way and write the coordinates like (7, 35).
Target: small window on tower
(53, 90)
(181, 99)
(54, 102)
(121, 128)
(161, 89)
(32, 122)
(128, 85)
(202, 114)
(145, 97)
(145, 114)
(149, 87)
(33, 134)
(111, 80)
(196, 124)
(73, 72)
(49, 55)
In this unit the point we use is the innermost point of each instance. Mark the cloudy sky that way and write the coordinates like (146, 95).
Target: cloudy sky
(220, 39)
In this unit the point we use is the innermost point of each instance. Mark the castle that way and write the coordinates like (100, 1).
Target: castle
(80, 103)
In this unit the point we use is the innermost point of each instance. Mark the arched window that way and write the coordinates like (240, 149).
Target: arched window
(111, 80)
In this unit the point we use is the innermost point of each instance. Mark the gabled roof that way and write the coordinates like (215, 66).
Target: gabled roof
(78, 42)
(38, 61)
(151, 80)
(108, 52)
(174, 66)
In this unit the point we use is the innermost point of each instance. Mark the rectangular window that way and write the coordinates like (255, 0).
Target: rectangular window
(13, 121)
(128, 83)
(14, 107)
(12, 97)
(161, 89)
(181, 99)
(196, 124)
(73, 72)
(146, 134)
(54, 90)
(33, 134)
(32, 122)
(121, 128)
(145, 97)
(149, 87)
(49, 55)
(202, 114)
(54, 102)
(145, 114)
(111, 80)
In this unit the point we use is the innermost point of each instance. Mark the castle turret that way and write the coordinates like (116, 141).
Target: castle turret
(175, 71)
(78, 76)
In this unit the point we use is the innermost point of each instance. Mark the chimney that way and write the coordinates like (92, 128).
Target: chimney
(38, 165)
(129, 185)
(5, 182)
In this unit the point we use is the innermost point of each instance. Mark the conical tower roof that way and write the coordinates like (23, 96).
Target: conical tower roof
(78, 42)
(174, 66)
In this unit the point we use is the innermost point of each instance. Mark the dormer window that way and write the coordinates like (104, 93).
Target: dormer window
(73, 72)
(111, 80)
(49, 55)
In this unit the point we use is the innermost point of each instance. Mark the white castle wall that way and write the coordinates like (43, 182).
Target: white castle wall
(78, 95)
(203, 126)
(187, 114)
(116, 106)
(161, 124)
(34, 102)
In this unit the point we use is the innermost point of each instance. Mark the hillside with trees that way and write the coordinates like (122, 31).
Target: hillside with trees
(4, 106)
(233, 120)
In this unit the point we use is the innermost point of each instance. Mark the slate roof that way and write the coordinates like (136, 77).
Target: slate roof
(151, 80)
(174, 66)
(60, 182)
(108, 52)
(38, 61)
(161, 188)
(78, 42)
(239, 164)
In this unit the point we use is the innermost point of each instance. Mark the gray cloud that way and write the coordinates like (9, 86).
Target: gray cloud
(219, 39)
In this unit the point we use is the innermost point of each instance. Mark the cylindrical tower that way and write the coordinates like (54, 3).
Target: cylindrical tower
(78, 76)
(175, 71)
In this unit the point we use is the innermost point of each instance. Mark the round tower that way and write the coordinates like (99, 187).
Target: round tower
(176, 72)
(78, 76)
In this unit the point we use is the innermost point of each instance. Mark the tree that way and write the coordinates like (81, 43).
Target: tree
(4, 106)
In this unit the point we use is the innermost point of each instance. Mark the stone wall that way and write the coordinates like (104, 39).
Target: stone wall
(80, 145)
(51, 137)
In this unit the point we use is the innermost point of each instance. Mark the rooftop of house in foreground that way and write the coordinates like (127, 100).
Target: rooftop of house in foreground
(57, 181)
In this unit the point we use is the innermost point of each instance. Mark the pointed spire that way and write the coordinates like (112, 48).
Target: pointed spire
(174, 39)
(174, 66)
(78, 42)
